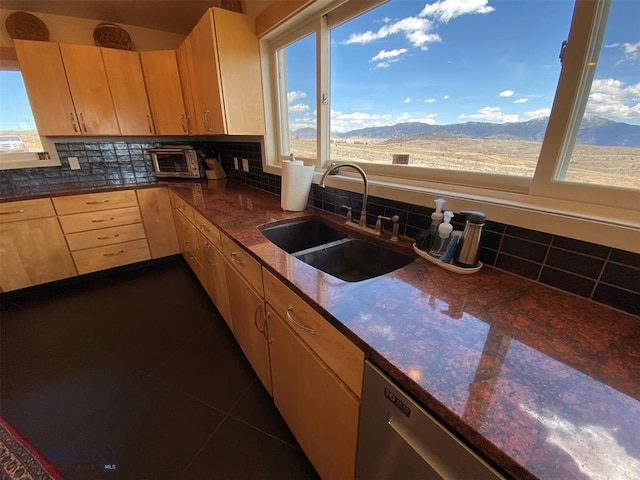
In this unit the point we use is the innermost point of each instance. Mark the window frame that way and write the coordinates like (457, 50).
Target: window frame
(14, 161)
(600, 211)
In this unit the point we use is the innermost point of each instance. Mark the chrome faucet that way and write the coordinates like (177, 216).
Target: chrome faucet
(363, 215)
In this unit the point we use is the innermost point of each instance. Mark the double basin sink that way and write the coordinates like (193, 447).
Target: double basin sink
(331, 250)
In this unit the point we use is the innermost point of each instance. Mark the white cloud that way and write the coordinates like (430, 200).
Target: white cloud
(540, 113)
(521, 100)
(492, 114)
(295, 95)
(385, 58)
(445, 10)
(299, 107)
(612, 98)
(416, 30)
(344, 122)
(446, 97)
(430, 100)
(507, 93)
(631, 51)
(407, 100)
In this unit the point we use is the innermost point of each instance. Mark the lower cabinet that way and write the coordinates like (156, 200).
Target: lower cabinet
(155, 208)
(32, 250)
(249, 323)
(319, 409)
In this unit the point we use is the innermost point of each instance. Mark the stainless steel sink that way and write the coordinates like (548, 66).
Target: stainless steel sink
(301, 235)
(354, 260)
(333, 251)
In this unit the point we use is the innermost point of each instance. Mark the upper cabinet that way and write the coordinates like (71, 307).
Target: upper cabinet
(165, 91)
(89, 87)
(84, 90)
(128, 91)
(223, 62)
(46, 84)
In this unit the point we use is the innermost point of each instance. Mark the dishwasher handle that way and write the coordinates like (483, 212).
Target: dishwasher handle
(438, 465)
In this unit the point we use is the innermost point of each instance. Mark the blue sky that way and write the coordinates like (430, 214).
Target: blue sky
(15, 112)
(453, 61)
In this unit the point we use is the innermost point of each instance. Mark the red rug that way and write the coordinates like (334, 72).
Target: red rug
(19, 460)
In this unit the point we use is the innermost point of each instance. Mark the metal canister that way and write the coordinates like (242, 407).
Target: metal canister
(469, 248)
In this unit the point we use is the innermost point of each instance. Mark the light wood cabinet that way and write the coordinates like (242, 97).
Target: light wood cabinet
(155, 208)
(185, 68)
(32, 250)
(128, 91)
(87, 79)
(318, 408)
(223, 59)
(164, 89)
(189, 244)
(249, 323)
(103, 230)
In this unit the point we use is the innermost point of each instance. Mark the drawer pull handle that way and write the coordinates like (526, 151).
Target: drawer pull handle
(207, 249)
(113, 254)
(234, 257)
(99, 220)
(97, 202)
(297, 323)
(203, 227)
(13, 212)
(109, 237)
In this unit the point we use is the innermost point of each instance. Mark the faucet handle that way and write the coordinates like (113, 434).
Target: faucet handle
(396, 228)
(379, 224)
(349, 212)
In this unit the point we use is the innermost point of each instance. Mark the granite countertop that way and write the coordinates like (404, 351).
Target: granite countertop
(545, 384)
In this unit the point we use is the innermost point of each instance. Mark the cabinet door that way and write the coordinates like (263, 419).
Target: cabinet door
(248, 317)
(155, 208)
(89, 87)
(33, 252)
(128, 91)
(240, 73)
(46, 84)
(185, 69)
(216, 279)
(206, 76)
(165, 91)
(318, 408)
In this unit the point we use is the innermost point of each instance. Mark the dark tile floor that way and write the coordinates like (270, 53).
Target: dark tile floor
(133, 374)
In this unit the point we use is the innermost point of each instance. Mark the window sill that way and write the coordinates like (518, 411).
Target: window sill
(612, 227)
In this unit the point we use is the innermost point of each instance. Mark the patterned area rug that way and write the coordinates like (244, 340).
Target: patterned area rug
(19, 460)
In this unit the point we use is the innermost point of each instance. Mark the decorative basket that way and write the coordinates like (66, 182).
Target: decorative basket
(110, 35)
(24, 26)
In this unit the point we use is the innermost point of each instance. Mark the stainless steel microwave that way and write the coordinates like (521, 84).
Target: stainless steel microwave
(179, 161)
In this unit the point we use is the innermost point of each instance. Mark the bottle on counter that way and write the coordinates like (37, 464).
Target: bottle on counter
(425, 238)
(469, 249)
(441, 243)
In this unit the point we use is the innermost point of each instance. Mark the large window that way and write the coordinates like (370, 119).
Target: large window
(475, 93)
(18, 132)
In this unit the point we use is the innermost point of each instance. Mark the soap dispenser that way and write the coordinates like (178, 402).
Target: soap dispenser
(426, 238)
(444, 236)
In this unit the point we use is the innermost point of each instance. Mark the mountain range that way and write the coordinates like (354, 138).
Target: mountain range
(593, 131)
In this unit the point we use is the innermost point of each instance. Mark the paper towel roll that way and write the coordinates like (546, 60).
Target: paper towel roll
(296, 184)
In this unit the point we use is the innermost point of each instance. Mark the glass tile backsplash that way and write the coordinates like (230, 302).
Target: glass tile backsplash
(602, 274)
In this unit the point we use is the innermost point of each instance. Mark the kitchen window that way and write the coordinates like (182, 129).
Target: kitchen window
(20, 144)
(469, 94)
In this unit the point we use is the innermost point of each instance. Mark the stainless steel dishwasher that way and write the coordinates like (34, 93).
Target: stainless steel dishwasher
(397, 439)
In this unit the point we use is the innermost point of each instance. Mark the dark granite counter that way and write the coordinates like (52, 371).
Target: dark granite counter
(544, 384)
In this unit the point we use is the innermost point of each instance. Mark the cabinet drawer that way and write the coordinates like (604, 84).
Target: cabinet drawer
(188, 238)
(208, 229)
(92, 202)
(336, 350)
(26, 209)
(81, 222)
(105, 236)
(100, 258)
(183, 207)
(244, 263)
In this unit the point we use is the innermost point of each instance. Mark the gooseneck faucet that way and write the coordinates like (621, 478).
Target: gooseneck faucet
(363, 216)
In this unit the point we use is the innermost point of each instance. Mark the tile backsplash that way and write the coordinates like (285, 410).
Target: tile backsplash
(602, 274)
